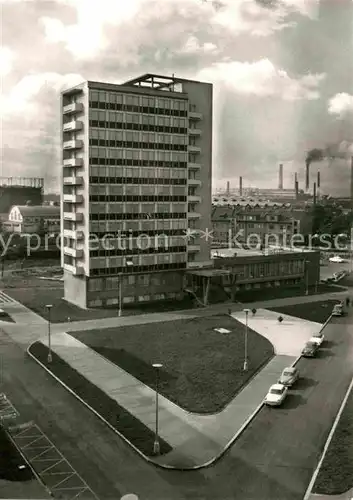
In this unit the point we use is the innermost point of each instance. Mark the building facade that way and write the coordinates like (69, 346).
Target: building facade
(253, 225)
(33, 219)
(137, 168)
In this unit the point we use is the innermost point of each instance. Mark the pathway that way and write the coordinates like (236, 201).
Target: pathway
(344, 496)
(196, 439)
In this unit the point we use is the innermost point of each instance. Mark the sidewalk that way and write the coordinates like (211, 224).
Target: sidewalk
(196, 439)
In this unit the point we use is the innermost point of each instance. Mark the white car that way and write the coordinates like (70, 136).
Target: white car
(337, 259)
(317, 339)
(276, 395)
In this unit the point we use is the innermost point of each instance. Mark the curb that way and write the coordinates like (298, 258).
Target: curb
(328, 442)
(145, 457)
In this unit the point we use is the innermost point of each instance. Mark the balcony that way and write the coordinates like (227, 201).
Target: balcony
(73, 162)
(72, 126)
(193, 248)
(195, 132)
(76, 253)
(75, 107)
(73, 181)
(74, 235)
(194, 215)
(194, 182)
(75, 144)
(73, 216)
(194, 166)
(75, 270)
(194, 198)
(194, 149)
(73, 198)
(194, 115)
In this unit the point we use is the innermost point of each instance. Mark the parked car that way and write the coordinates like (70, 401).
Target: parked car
(319, 338)
(309, 350)
(289, 376)
(337, 259)
(276, 395)
(338, 310)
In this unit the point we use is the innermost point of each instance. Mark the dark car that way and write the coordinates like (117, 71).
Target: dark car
(310, 349)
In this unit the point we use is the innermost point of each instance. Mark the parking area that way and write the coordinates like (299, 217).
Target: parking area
(48, 462)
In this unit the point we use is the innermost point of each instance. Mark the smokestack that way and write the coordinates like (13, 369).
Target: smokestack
(307, 173)
(318, 179)
(314, 195)
(228, 188)
(240, 186)
(352, 182)
(280, 177)
(296, 185)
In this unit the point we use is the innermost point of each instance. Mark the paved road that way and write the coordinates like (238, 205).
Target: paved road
(272, 460)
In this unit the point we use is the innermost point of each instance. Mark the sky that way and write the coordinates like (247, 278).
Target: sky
(282, 72)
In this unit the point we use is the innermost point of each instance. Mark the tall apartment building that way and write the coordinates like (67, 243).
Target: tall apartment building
(137, 168)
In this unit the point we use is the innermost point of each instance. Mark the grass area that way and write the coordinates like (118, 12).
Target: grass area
(35, 299)
(130, 427)
(318, 312)
(336, 473)
(11, 460)
(202, 369)
(283, 293)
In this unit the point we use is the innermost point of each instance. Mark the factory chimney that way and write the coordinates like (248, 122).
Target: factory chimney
(318, 179)
(307, 172)
(314, 194)
(296, 185)
(228, 188)
(280, 177)
(240, 186)
(352, 182)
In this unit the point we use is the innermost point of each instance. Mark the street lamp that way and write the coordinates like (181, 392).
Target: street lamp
(156, 447)
(50, 358)
(245, 366)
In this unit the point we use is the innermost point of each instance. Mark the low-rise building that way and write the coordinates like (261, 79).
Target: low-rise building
(255, 225)
(33, 219)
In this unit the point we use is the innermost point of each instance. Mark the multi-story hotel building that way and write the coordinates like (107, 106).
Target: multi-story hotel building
(137, 167)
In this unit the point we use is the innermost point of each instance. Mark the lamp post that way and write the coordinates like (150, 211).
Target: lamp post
(156, 447)
(245, 366)
(307, 262)
(50, 358)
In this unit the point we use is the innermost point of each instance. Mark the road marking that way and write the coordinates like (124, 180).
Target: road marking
(6, 299)
(31, 439)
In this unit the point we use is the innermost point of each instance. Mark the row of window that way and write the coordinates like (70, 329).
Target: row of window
(138, 145)
(126, 136)
(136, 198)
(138, 118)
(136, 99)
(138, 126)
(137, 180)
(109, 271)
(137, 251)
(117, 162)
(136, 234)
(132, 216)
(137, 109)
(113, 282)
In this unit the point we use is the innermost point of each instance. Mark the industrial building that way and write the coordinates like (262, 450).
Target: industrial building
(33, 219)
(239, 274)
(137, 164)
(19, 191)
(260, 223)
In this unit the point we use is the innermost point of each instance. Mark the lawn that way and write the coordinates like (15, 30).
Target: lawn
(311, 311)
(44, 292)
(336, 473)
(202, 369)
(125, 423)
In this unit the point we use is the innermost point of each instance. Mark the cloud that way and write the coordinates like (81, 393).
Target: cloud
(341, 104)
(88, 36)
(27, 95)
(262, 79)
(6, 61)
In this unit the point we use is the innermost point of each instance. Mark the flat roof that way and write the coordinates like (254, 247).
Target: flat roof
(243, 252)
(208, 273)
